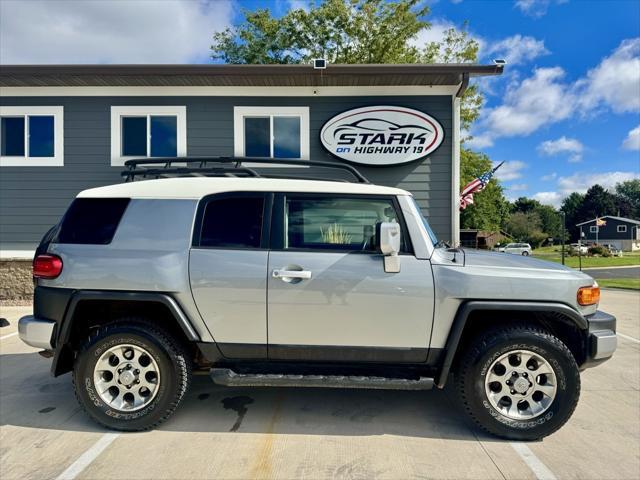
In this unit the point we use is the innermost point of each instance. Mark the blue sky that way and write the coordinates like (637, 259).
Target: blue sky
(565, 115)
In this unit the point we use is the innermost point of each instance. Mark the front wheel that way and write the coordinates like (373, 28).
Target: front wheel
(131, 376)
(525, 254)
(519, 383)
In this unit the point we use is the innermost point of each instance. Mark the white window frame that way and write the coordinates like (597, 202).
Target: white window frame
(117, 112)
(240, 113)
(594, 229)
(622, 229)
(57, 113)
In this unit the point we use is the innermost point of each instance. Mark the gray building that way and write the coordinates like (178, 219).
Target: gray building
(617, 231)
(69, 128)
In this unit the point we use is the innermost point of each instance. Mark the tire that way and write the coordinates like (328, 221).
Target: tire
(525, 254)
(155, 351)
(542, 414)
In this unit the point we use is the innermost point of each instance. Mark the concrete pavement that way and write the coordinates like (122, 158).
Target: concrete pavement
(313, 433)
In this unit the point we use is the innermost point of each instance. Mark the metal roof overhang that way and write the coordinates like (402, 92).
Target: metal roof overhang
(242, 75)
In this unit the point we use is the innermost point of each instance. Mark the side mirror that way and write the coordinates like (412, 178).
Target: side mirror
(389, 235)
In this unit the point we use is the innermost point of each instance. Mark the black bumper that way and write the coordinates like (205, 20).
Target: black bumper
(601, 338)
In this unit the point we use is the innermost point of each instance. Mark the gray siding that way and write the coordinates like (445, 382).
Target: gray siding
(33, 198)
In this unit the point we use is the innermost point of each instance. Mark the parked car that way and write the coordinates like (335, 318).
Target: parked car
(579, 248)
(612, 249)
(300, 283)
(518, 249)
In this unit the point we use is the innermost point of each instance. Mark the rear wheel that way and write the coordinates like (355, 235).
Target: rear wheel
(519, 383)
(131, 375)
(525, 253)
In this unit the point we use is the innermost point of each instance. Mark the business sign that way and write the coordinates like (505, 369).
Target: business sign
(381, 135)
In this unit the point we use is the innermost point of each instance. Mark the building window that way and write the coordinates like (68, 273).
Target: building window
(31, 137)
(138, 132)
(593, 229)
(271, 132)
(622, 229)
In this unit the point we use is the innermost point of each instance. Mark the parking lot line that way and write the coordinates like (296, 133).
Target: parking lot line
(10, 335)
(87, 457)
(628, 337)
(538, 468)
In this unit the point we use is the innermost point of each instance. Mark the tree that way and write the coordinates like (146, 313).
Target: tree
(571, 207)
(526, 227)
(547, 219)
(348, 31)
(490, 209)
(628, 198)
(597, 202)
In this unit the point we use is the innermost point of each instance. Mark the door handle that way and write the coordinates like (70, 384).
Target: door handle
(284, 274)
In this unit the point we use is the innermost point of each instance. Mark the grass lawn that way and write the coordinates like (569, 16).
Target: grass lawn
(630, 283)
(552, 254)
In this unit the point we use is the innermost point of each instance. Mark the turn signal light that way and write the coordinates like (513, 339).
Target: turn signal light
(589, 295)
(47, 266)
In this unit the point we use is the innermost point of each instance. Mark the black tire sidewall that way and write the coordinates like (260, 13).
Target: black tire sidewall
(168, 390)
(567, 393)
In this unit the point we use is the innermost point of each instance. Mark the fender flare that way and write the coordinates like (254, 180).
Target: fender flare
(462, 315)
(64, 332)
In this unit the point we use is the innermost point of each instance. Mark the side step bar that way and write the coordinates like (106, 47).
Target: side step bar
(229, 378)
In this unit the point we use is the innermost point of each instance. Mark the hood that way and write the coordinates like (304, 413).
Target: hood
(481, 258)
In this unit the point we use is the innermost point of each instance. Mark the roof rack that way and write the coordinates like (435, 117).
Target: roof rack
(224, 167)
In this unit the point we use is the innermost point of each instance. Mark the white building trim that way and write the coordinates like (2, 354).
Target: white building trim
(57, 112)
(228, 91)
(455, 173)
(117, 112)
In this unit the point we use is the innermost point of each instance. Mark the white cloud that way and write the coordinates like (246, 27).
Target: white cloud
(535, 8)
(517, 49)
(510, 170)
(536, 101)
(103, 31)
(299, 5)
(437, 31)
(632, 142)
(546, 98)
(563, 145)
(549, 177)
(580, 182)
(615, 82)
(517, 187)
(549, 198)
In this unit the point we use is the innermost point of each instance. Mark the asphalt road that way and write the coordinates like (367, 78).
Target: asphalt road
(308, 433)
(611, 273)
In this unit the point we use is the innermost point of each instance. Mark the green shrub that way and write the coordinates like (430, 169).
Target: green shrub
(600, 251)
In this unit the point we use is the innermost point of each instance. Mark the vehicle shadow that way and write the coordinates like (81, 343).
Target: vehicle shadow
(31, 398)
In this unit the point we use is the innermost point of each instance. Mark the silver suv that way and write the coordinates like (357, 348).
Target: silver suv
(264, 281)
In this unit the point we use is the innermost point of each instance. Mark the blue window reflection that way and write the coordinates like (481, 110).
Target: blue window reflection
(164, 136)
(134, 136)
(286, 137)
(41, 141)
(12, 135)
(256, 137)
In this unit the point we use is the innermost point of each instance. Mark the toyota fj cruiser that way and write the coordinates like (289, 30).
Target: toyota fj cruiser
(265, 281)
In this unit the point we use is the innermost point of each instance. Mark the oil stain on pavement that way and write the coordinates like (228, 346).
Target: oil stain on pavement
(238, 405)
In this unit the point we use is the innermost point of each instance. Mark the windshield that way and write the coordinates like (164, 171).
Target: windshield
(427, 227)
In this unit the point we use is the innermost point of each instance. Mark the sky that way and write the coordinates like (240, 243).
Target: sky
(564, 115)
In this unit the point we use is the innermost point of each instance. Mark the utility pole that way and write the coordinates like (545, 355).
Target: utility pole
(563, 234)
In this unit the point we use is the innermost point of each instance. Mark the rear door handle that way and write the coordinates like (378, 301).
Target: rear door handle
(301, 274)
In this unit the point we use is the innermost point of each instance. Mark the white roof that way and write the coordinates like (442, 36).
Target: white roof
(198, 187)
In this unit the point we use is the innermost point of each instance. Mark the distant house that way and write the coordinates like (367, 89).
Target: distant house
(482, 239)
(621, 232)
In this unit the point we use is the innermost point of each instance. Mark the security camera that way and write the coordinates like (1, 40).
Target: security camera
(319, 64)
(501, 62)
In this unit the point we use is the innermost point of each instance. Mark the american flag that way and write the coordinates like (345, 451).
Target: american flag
(475, 186)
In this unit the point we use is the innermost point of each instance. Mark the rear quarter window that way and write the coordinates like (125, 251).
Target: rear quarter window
(92, 221)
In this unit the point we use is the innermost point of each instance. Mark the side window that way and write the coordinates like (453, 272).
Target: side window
(233, 222)
(92, 221)
(335, 223)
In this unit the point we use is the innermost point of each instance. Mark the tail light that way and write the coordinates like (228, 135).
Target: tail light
(47, 266)
(589, 295)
